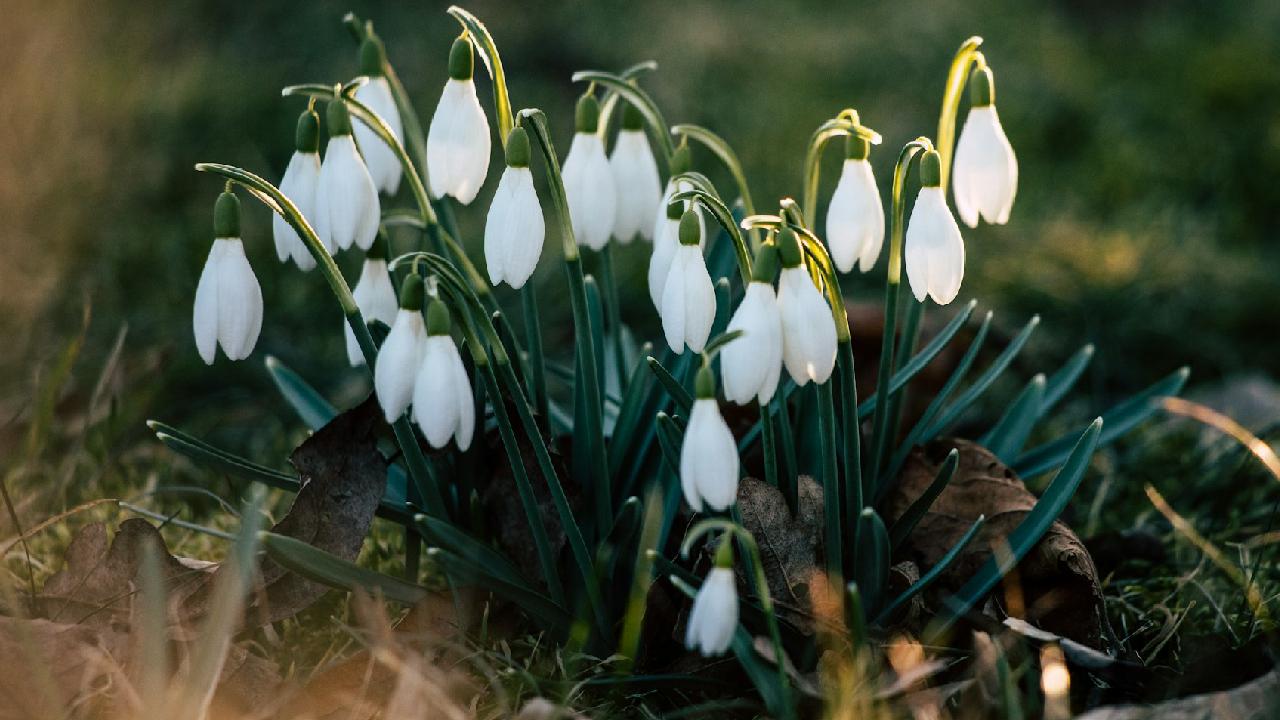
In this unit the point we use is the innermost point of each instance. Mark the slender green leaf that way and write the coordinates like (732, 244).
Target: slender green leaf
(540, 607)
(314, 411)
(984, 381)
(444, 534)
(328, 569)
(721, 149)
(219, 459)
(1010, 433)
(673, 387)
(670, 438)
(493, 63)
(1061, 382)
(872, 558)
(915, 512)
(1119, 420)
(920, 360)
(934, 572)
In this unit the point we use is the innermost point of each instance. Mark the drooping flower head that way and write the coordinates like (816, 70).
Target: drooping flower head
(635, 178)
(714, 618)
(750, 366)
(458, 142)
(808, 330)
(228, 306)
(515, 229)
(709, 466)
(400, 357)
(688, 297)
(985, 174)
(855, 219)
(374, 295)
(588, 181)
(934, 249)
(375, 93)
(299, 183)
(347, 208)
(443, 404)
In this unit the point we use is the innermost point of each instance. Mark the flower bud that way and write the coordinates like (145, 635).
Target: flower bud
(458, 141)
(461, 59)
(714, 618)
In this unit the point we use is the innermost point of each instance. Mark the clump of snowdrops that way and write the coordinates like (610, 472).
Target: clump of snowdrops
(751, 313)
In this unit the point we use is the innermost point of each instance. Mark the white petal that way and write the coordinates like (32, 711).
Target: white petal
(204, 320)
(808, 331)
(665, 242)
(239, 302)
(465, 399)
(855, 219)
(750, 365)
(514, 230)
(384, 166)
(635, 177)
(588, 185)
(688, 301)
(376, 299)
(714, 618)
(715, 464)
(435, 402)
(299, 185)
(986, 170)
(458, 143)
(934, 248)
(346, 197)
(398, 363)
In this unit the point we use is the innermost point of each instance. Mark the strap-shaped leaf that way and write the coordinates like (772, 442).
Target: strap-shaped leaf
(314, 411)
(328, 569)
(483, 41)
(907, 522)
(1119, 420)
(920, 360)
(221, 460)
(444, 534)
(984, 381)
(540, 607)
(872, 558)
(1009, 434)
(684, 401)
(1030, 530)
(670, 437)
(1061, 382)
(935, 571)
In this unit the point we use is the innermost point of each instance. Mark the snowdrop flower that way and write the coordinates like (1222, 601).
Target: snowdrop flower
(588, 181)
(688, 298)
(934, 250)
(443, 405)
(986, 171)
(635, 178)
(375, 93)
(228, 307)
(681, 162)
(750, 365)
(401, 354)
(299, 185)
(855, 219)
(458, 142)
(808, 330)
(347, 210)
(515, 229)
(709, 455)
(714, 618)
(374, 296)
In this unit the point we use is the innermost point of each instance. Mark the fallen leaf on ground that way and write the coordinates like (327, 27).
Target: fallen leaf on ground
(1056, 584)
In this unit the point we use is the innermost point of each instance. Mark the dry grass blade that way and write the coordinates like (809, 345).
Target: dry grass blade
(1210, 551)
(54, 520)
(1215, 419)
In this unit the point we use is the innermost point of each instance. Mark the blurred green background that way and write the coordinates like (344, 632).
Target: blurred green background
(1148, 135)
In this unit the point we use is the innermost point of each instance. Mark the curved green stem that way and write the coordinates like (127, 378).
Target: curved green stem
(279, 203)
(957, 76)
(845, 125)
(493, 63)
(724, 152)
(704, 194)
(880, 432)
(642, 102)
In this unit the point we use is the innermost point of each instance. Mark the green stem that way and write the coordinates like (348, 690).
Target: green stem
(879, 433)
(852, 442)
(957, 76)
(584, 343)
(613, 314)
(271, 196)
(830, 485)
(537, 364)
(770, 452)
(827, 131)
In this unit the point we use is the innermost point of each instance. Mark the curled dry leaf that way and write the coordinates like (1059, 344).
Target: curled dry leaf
(1055, 586)
(788, 544)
